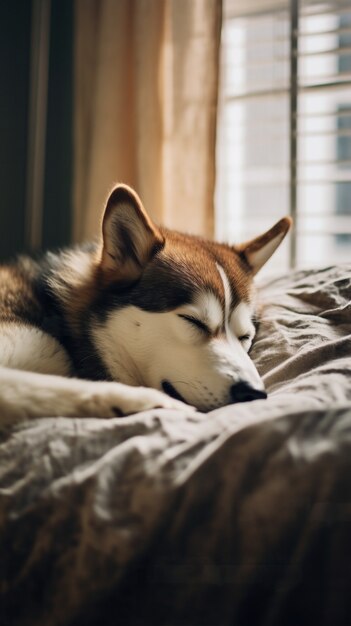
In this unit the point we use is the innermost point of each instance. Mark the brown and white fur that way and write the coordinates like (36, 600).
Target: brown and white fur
(104, 330)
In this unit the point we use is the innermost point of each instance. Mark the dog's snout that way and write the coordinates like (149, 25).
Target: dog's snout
(243, 392)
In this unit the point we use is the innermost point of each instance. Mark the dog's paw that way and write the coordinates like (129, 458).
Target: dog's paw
(117, 400)
(143, 398)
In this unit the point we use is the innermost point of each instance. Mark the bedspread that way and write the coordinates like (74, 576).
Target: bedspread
(241, 516)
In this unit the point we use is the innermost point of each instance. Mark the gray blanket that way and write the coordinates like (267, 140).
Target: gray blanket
(238, 517)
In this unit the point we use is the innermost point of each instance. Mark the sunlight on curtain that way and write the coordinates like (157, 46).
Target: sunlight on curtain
(146, 74)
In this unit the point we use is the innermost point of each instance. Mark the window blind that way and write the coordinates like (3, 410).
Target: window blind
(284, 135)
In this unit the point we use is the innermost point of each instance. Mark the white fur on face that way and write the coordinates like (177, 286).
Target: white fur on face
(227, 292)
(146, 348)
(241, 323)
(239, 333)
(208, 309)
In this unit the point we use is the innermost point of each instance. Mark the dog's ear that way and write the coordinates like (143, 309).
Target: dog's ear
(259, 250)
(130, 239)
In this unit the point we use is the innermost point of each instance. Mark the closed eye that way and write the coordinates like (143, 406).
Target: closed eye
(195, 322)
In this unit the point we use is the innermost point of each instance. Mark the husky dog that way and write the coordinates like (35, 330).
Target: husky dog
(146, 317)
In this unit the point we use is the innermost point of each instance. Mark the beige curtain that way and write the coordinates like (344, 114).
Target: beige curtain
(146, 82)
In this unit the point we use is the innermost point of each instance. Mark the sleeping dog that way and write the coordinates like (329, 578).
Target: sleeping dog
(145, 317)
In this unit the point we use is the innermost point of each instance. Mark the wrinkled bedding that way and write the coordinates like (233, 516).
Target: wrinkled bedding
(241, 516)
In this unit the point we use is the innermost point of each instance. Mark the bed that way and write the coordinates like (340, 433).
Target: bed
(241, 516)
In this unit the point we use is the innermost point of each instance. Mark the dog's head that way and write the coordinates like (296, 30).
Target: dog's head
(176, 312)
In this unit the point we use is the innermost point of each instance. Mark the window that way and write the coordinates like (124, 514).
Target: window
(284, 137)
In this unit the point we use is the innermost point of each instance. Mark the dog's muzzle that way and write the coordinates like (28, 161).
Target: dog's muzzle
(243, 392)
(239, 392)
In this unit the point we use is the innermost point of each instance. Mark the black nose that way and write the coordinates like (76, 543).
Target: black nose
(243, 392)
